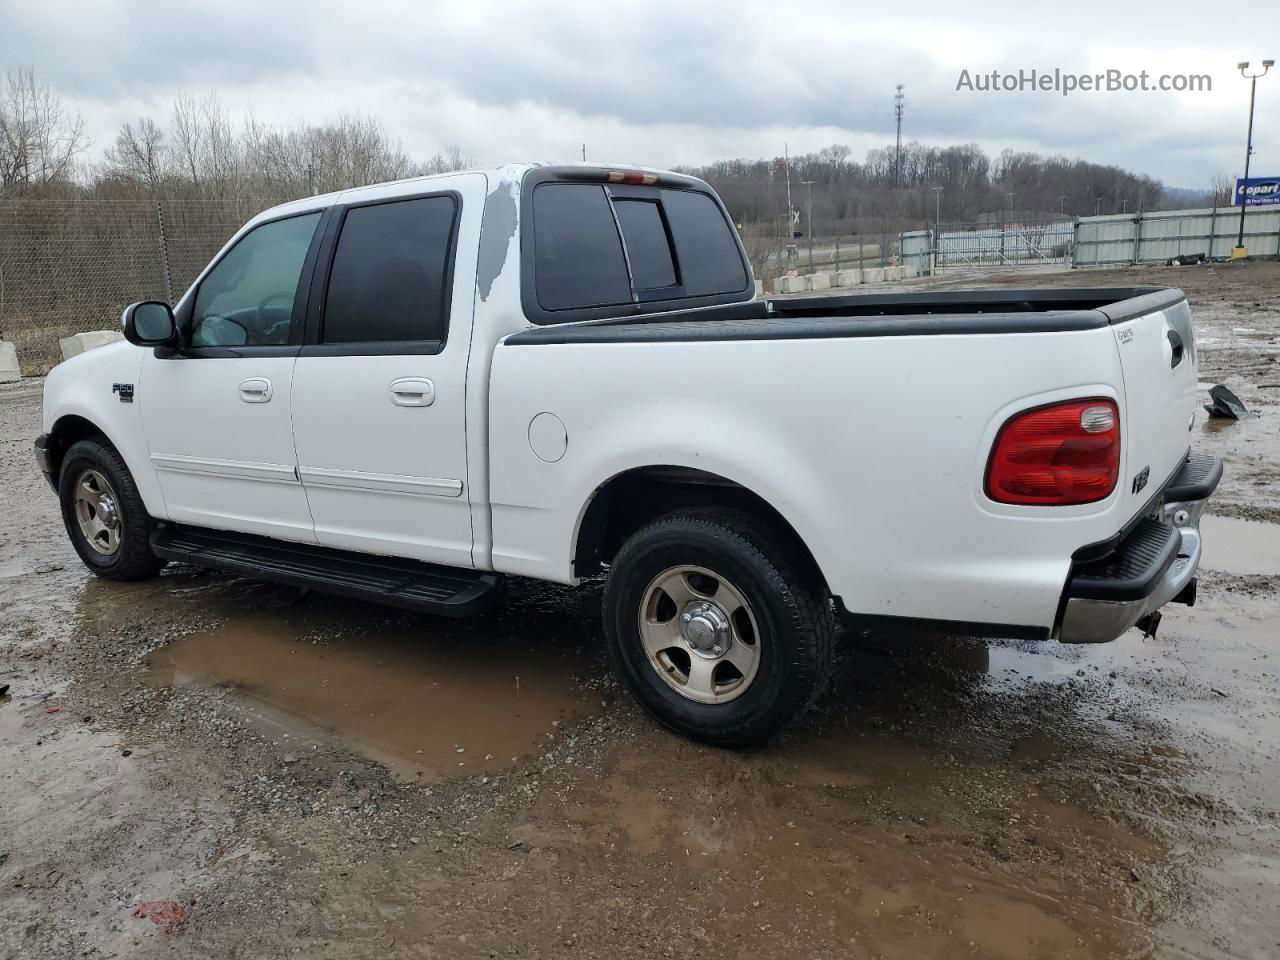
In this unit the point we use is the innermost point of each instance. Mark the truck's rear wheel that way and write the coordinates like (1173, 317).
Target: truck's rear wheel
(717, 625)
(104, 514)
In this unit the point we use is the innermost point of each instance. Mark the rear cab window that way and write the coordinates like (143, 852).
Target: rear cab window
(612, 249)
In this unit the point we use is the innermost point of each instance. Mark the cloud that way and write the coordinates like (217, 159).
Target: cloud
(665, 81)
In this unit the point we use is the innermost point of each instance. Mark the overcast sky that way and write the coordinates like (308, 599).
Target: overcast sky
(668, 82)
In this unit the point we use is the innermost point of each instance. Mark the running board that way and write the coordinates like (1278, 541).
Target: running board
(411, 584)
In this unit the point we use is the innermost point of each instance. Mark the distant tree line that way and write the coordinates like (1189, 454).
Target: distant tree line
(953, 184)
(199, 152)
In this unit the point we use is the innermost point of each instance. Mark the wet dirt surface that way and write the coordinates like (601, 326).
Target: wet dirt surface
(250, 754)
(394, 695)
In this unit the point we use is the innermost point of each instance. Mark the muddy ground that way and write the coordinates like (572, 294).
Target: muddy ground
(305, 776)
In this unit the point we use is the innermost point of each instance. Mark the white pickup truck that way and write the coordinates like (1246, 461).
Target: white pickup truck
(406, 392)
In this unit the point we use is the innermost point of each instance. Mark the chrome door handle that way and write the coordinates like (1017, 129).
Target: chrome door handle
(255, 390)
(413, 392)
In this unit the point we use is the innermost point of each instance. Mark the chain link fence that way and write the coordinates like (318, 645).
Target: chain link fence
(67, 266)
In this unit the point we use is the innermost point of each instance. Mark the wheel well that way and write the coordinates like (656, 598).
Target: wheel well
(65, 432)
(630, 500)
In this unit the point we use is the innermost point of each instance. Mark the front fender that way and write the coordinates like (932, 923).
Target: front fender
(103, 386)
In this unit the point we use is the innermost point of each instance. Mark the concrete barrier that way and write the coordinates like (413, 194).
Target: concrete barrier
(759, 289)
(819, 281)
(793, 284)
(873, 275)
(9, 371)
(848, 278)
(78, 343)
(910, 270)
(892, 274)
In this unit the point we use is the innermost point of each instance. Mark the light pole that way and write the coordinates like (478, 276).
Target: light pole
(808, 184)
(1097, 205)
(1240, 250)
(1062, 205)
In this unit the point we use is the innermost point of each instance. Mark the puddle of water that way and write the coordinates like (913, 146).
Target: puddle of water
(426, 706)
(1232, 545)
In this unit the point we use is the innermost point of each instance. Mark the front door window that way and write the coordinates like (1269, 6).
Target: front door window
(246, 300)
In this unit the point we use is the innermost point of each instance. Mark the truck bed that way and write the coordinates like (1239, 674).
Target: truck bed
(872, 315)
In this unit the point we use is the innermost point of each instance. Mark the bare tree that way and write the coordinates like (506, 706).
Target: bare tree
(1221, 189)
(139, 153)
(206, 147)
(39, 137)
(188, 136)
(452, 159)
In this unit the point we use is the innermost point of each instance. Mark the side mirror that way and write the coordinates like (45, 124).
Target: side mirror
(149, 324)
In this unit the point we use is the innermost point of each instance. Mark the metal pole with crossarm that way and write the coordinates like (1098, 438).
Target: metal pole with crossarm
(1240, 250)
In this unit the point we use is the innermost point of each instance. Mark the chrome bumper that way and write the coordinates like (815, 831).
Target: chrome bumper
(1097, 621)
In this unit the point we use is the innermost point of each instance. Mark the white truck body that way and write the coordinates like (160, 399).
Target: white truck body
(865, 424)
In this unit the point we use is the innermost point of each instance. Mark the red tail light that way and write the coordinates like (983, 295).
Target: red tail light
(1056, 455)
(632, 176)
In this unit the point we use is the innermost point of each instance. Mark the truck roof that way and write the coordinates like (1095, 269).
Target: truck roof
(505, 172)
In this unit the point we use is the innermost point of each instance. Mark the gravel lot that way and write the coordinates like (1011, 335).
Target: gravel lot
(301, 775)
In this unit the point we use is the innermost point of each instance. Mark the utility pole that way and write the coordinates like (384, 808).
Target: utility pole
(1097, 205)
(1007, 224)
(786, 165)
(809, 219)
(1062, 204)
(1241, 250)
(584, 153)
(937, 227)
(897, 152)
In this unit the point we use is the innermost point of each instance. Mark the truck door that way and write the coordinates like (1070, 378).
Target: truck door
(216, 414)
(380, 386)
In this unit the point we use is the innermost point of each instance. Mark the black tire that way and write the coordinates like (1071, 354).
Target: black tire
(133, 558)
(792, 618)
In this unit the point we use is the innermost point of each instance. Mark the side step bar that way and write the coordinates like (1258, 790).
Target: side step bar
(431, 588)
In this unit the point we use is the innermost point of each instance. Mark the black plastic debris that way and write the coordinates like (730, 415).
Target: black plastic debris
(1225, 404)
(1186, 259)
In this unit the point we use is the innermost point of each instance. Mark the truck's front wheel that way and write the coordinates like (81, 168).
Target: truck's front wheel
(716, 624)
(104, 514)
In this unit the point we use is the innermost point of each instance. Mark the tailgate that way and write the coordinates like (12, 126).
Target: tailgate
(1158, 361)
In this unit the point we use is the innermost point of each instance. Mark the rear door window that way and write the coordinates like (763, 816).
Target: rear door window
(389, 280)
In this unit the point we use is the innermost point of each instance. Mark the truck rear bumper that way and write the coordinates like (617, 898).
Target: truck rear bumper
(1155, 564)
